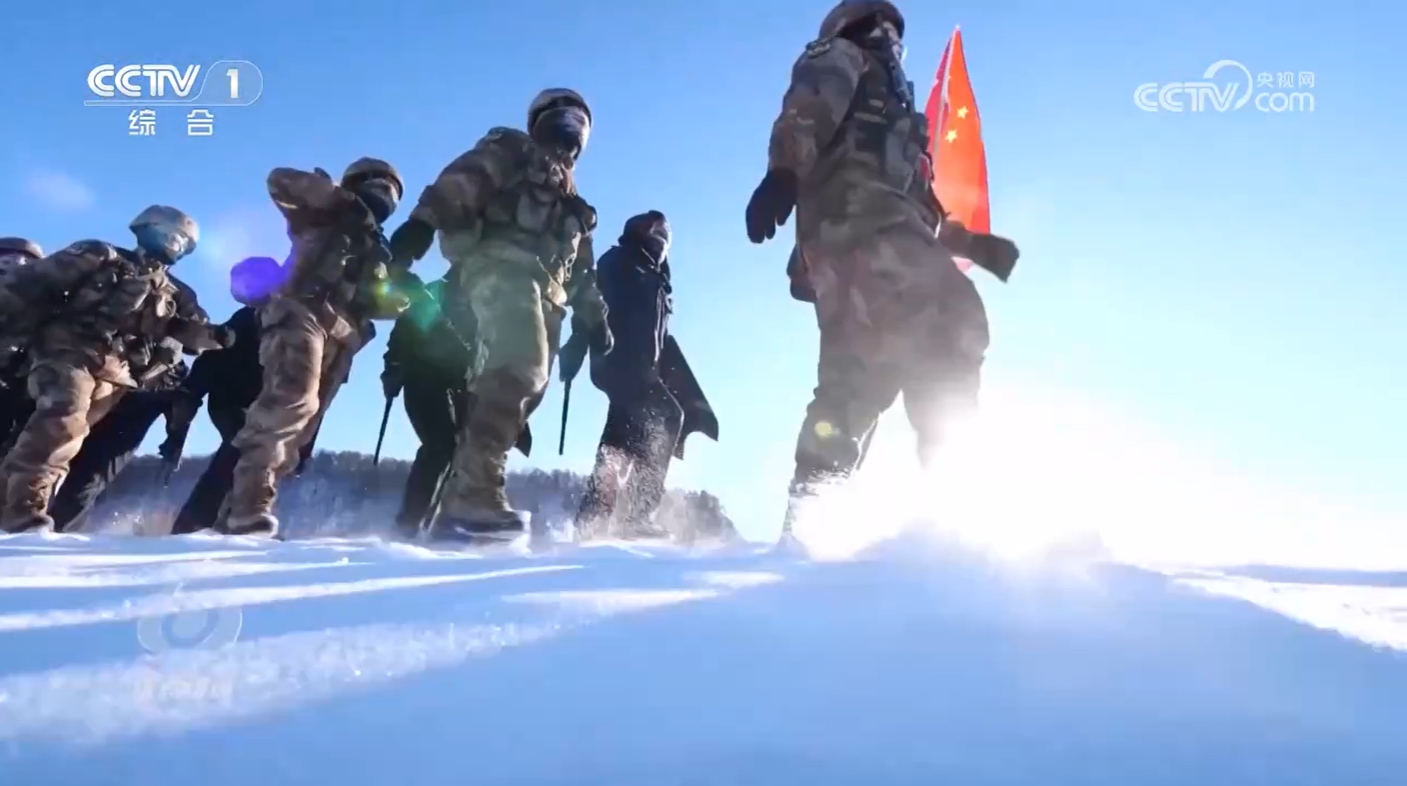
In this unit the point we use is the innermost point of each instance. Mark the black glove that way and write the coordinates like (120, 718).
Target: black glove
(170, 453)
(572, 356)
(994, 254)
(392, 380)
(603, 339)
(771, 204)
(224, 335)
(411, 241)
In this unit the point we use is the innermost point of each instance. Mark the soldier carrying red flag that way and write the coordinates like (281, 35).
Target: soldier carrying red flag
(896, 314)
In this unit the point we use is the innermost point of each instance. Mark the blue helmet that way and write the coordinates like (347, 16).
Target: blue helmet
(165, 232)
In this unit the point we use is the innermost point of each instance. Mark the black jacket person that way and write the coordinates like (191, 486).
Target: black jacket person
(227, 381)
(428, 361)
(655, 402)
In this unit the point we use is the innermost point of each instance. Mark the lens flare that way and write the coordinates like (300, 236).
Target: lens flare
(1039, 475)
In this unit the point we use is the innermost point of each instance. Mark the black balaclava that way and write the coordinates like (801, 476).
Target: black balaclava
(650, 231)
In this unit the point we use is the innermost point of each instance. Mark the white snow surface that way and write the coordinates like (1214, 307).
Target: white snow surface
(209, 661)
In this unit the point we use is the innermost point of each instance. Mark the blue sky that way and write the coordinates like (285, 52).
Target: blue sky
(1233, 281)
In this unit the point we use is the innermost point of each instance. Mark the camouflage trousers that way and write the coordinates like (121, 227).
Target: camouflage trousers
(305, 363)
(518, 334)
(69, 400)
(896, 316)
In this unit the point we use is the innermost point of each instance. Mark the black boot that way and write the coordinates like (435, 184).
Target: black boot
(492, 526)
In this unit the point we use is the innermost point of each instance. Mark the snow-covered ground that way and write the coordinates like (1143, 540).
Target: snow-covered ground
(221, 661)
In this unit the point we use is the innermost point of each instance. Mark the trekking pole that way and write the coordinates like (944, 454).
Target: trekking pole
(433, 512)
(566, 407)
(380, 438)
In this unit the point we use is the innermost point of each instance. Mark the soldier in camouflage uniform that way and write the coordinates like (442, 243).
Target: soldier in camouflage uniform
(115, 440)
(518, 239)
(849, 154)
(313, 324)
(82, 311)
(15, 403)
(427, 360)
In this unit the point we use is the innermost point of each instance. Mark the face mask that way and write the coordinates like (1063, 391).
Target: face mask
(657, 240)
(165, 243)
(651, 231)
(885, 35)
(656, 246)
(565, 128)
(379, 196)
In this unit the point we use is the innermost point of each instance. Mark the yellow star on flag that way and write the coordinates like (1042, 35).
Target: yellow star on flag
(955, 147)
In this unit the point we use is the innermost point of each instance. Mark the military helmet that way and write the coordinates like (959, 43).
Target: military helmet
(368, 168)
(851, 11)
(556, 95)
(20, 245)
(168, 218)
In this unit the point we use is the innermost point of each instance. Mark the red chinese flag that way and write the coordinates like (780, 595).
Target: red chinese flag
(959, 158)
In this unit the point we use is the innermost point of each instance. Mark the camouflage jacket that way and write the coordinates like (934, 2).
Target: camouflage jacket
(94, 304)
(511, 200)
(338, 257)
(850, 132)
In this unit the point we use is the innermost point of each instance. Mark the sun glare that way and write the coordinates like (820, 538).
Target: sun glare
(1040, 474)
